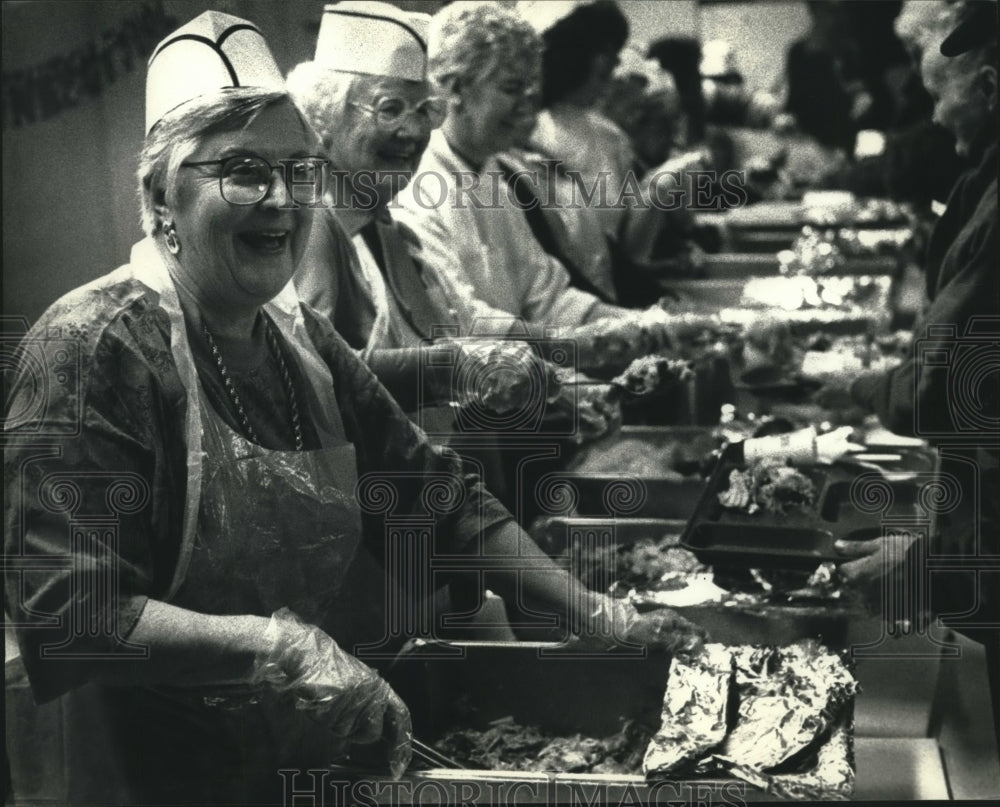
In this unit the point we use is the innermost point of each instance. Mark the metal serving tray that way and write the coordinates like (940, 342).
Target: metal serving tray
(740, 301)
(554, 535)
(540, 684)
(741, 265)
(570, 493)
(754, 623)
(783, 215)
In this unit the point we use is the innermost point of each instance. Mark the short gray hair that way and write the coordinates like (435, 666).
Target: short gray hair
(180, 132)
(468, 41)
(322, 95)
(924, 23)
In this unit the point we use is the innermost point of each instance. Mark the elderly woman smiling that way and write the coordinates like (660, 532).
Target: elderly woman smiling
(486, 61)
(186, 496)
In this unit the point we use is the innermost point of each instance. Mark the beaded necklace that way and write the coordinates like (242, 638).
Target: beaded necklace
(234, 396)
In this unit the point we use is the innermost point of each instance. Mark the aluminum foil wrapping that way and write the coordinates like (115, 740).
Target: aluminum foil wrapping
(787, 699)
(777, 718)
(831, 777)
(694, 711)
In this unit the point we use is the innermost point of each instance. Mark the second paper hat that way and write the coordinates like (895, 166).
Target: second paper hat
(374, 38)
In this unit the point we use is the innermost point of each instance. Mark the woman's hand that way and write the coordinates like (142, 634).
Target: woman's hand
(500, 376)
(873, 570)
(872, 559)
(333, 686)
(614, 622)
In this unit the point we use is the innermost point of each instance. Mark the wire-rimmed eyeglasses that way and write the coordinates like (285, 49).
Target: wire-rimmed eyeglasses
(390, 113)
(245, 179)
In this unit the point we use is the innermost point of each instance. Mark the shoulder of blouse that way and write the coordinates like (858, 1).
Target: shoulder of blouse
(113, 309)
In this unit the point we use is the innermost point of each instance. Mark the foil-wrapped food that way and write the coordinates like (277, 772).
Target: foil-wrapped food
(787, 698)
(769, 485)
(778, 718)
(791, 732)
(694, 712)
(830, 777)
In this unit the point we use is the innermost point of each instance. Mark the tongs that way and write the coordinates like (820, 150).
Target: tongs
(433, 757)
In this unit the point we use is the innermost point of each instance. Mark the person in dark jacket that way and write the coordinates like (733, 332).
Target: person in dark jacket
(948, 390)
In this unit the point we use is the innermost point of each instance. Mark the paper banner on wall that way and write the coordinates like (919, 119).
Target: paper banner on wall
(34, 94)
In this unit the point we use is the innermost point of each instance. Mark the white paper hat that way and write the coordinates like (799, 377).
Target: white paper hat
(373, 38)
(212, 52)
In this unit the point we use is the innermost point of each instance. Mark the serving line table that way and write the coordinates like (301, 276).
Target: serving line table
(922, 732)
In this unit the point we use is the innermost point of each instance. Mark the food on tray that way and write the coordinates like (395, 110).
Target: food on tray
(815, 252)
(782, 585)
(833, 357)
(646, 564)
(768, 484)
(510, 746)
(825, 251)
(806, 292)
(694, 711)
(778, 718)
(651, 373)
(830, 208)
(872, 209)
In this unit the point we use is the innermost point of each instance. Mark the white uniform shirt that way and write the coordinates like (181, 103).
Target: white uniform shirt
(481, 243)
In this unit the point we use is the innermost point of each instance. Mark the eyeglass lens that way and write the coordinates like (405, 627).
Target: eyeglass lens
(245, 180)
(391, 112)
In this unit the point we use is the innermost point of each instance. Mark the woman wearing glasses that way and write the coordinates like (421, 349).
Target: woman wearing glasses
(366, 93)
(204, 469)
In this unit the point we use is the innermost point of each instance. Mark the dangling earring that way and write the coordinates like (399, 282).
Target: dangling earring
(170, 237)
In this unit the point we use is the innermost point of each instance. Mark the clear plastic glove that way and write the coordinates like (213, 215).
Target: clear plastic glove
(614, 622)
(498, 376)
(333, 686)
(685, 331)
